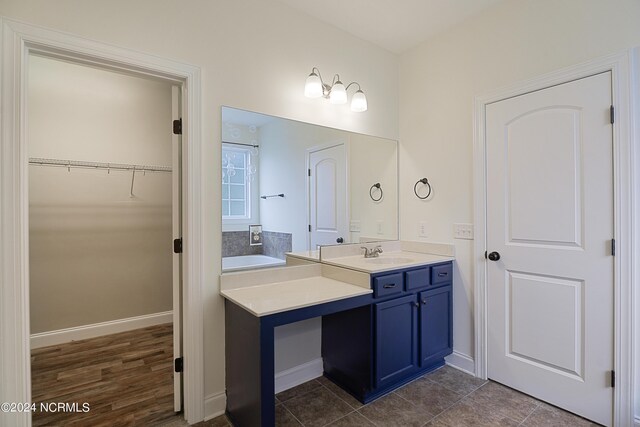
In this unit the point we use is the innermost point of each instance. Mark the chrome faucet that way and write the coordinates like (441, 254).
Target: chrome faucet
(372, 253)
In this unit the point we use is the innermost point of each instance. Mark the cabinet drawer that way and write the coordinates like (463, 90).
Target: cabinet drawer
(441, 274)
(419, 278)
(388, 284)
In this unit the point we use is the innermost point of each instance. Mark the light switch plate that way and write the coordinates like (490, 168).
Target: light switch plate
(380, 227)
(463, 231)
(354, 226)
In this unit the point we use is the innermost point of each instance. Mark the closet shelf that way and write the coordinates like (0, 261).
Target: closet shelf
(97, 165)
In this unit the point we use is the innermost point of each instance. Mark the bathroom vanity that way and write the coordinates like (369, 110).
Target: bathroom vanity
(385, 321)
(404, 332)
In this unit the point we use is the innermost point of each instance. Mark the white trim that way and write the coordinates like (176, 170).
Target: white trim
(635, 224)
(61, 336)
(18, 40)
(462, 362)
(215, 405)
(624, 198)
(298, 374)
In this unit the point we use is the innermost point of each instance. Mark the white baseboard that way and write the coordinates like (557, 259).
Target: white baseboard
(215, 405)
(44, 339)
(462, 362)
(298, 375)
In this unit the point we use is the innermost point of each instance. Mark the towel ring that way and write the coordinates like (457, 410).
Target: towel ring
(379, 187)
(425, 181)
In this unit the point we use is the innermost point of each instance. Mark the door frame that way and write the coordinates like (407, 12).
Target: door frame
(347, 153)
(18, 40)
(625, 215)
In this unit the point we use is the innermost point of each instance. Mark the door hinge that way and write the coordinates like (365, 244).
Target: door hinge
(177, 127)
(177, 246)
(612, 114)
(309, 172)
(178, 364)
(613, 378)
(309, 228)
(613, 247)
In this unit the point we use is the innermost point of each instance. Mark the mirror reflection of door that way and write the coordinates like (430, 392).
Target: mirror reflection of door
(327, 199)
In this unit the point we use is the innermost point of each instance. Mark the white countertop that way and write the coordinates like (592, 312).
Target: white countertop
(308, 255)
(387, 261)
(262, 300)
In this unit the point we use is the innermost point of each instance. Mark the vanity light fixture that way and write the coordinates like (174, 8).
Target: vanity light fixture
(315, 87)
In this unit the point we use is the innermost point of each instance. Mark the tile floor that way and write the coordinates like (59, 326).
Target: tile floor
(446, 397)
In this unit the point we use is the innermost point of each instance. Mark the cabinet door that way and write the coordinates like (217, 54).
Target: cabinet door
(436, 319)
(396, 339)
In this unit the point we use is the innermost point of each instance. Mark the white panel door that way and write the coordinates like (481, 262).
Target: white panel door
(550, 219)
(327, 196)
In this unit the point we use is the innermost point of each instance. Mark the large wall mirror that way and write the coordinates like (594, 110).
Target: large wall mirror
(289, 186)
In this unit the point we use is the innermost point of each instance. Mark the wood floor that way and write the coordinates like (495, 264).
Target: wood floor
(126, 378)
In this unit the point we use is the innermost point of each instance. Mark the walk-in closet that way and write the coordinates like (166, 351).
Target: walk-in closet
(101, 223)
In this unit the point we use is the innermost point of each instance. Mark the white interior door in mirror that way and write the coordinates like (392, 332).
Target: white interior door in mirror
(550, 217)
(327, 197)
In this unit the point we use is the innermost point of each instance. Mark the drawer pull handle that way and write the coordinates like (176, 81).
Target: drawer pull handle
(442, 274)
(389, 286)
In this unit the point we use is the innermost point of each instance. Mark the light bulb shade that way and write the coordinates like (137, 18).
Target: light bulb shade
(313, 87)
(338, 93)
(359, 102)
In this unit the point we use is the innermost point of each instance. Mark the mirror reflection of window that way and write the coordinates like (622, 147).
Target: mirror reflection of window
(236, 182)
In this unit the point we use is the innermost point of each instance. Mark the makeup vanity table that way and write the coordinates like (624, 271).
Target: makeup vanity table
(385, 321)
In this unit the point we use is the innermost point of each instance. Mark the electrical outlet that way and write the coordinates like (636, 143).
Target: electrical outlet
(380, 227)
(422, 229)
(463, 231)
(354, 226)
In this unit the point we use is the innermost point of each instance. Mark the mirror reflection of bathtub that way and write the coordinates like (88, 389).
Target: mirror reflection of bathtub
(247, 262)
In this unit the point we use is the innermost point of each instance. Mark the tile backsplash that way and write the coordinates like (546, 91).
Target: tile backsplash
(274, 244)
(236, 243)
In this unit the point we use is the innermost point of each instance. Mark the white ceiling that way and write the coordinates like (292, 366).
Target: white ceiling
(396, 25)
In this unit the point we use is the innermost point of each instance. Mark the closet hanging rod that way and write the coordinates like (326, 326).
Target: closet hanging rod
(96, 165)
(241, 143)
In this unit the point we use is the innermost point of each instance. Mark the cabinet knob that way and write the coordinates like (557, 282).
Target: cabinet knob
(424, 301)
(415, 304)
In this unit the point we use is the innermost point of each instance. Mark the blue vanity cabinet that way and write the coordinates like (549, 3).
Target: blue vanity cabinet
(413, 329)
(406, 332)
(436, 319)
(396, 326)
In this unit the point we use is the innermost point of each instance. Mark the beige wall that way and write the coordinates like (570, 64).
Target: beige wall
(507, 43)
(373, 160)
(254, 54)
(97, 254)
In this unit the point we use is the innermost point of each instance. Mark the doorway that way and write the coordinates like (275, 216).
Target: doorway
(104, 205)
(28, 39)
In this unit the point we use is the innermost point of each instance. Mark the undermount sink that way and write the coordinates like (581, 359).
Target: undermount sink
(388, 260)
